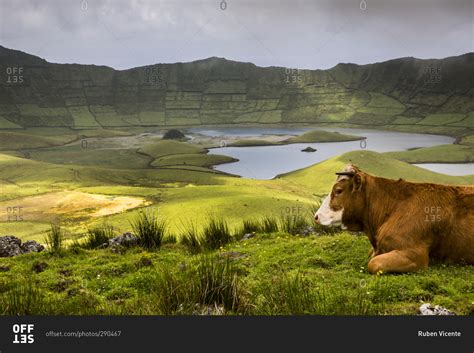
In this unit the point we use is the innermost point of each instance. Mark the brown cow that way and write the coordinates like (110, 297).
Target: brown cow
(407, 223)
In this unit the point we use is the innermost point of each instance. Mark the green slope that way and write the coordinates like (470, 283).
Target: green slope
(320, 177)
(436, 154)
(219, 91)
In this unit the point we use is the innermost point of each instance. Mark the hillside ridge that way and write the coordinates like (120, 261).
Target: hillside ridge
(396, 94)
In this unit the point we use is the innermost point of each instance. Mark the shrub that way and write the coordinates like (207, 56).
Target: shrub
(149, 229)
(54, 238)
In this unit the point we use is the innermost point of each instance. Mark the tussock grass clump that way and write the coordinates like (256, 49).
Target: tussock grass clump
(216, 282)
(54, 238)
(98, 236)
(210, 282)
(292, 224)
(190, 237)
(266, 224)
(250, 226)
(215, 234)
(149, 229)
(269, 224)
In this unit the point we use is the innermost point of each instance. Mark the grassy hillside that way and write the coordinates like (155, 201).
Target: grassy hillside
(436, 154)
(195, 159)
(307, 137)
(320, 177)
(114, 180)
(398, 93)
(169, 147)
(181, 192)
(270, 274)
(321, 136)
(10, 141)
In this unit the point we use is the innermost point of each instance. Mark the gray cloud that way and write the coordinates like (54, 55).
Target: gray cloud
(292, 33)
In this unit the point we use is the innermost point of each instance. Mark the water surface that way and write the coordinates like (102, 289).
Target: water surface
(265, 162)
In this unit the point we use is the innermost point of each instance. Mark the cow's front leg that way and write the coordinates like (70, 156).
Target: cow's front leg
(399, 261)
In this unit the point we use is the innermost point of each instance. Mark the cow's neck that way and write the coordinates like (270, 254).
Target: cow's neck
(380, 200)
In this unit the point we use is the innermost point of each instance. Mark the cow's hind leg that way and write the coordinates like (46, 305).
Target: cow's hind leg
(399, 261)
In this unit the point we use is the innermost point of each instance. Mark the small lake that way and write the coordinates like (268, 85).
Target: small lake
(265, 162)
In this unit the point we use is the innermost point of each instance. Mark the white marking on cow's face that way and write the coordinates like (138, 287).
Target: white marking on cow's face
(328, 217)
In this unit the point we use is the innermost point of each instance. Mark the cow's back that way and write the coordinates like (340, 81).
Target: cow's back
(456, 242)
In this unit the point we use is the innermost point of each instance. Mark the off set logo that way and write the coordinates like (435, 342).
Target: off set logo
(23, 333)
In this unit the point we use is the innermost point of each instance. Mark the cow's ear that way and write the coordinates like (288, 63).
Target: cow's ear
(357, 182)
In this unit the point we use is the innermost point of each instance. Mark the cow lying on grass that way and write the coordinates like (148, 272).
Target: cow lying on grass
(407, 223)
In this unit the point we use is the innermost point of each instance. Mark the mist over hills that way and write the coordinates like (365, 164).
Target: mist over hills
(404, 91)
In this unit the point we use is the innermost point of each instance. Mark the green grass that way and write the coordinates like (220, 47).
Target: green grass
(381, 104)
(194, 159)
(252, 142)
(441, 119)
(466, 122)
(54, 238)
(91, 156)
(215, 234)
(7, 124)
(277, 274)
(321, 136)
(10, 140)
(406, 120)
(307, 137)
(169, 147)
(370, 162)
(149, 229)
(99, 236)
(467, 140)
(436, 154)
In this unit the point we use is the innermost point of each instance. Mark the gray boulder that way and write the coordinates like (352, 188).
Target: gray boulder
(12, 246)
(126, 239)
(428, 309)
(31, 246)
(248, 236)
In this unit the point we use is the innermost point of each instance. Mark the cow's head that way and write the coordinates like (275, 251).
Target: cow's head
(346, 202)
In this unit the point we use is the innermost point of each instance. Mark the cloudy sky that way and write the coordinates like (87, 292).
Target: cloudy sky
(291, 33)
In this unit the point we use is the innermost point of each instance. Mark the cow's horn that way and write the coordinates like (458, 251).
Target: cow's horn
(346, 173)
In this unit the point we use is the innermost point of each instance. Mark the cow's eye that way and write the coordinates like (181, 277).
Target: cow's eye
(338, 191)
